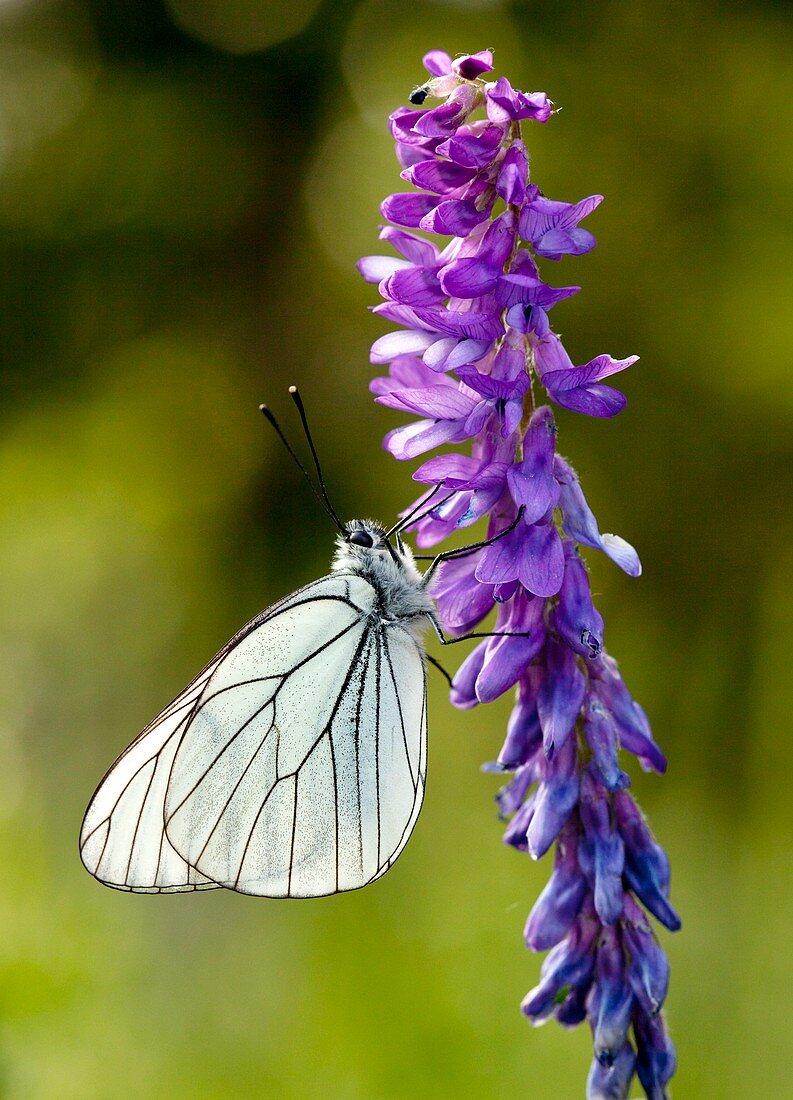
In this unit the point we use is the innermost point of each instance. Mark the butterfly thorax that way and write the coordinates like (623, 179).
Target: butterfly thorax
(390, 570)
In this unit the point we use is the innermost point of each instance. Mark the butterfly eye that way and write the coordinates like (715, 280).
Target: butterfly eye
(361, 538)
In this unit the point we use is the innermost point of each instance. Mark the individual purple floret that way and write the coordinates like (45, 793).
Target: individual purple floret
(474, 362)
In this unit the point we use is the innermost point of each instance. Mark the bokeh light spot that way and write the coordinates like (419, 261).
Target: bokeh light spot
(242, 26)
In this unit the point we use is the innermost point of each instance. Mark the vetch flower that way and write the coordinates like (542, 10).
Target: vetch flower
(482, 476)
(648, 966)
(524, 731)
(531, 554)
(531, 481)
(656, 1059)
(633, 728)
(552, 227)
(473, 146)
(473, 276)
(612, 1082)
(558, 906)
(474, 363)
(579, 388)
(505, 104)
(568, 967)
(579, 523)
(575, 617)
(447, 412)
(561, 695)
(602, 850)
(612, 999)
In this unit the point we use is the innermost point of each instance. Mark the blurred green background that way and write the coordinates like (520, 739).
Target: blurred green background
(184, 189)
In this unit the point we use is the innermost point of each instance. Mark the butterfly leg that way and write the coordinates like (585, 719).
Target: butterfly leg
(439, 667)
(477, 634)
(463, 551)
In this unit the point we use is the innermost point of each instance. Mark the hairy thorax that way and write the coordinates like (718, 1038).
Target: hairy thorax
(392, 572)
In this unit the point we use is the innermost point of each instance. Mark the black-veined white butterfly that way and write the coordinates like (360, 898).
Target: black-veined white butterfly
(294, 765)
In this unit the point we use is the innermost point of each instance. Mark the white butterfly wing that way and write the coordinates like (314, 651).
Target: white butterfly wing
(123, 842)
(301, 770)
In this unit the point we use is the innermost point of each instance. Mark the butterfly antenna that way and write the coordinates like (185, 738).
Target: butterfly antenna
(268, 414)
(298, 400)
(411, 516)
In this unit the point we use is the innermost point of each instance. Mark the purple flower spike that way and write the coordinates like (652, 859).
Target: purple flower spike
(473, 343)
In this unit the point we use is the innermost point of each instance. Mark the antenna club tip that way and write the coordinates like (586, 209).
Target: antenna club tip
(293, 389)
(264, 409)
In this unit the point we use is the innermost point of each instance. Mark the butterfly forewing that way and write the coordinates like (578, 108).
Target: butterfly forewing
(123, 840)
(294, 765)
(300, 772)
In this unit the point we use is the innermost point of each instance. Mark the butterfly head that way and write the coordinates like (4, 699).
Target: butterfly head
(365, 548)
(363, 540)
(366, 534)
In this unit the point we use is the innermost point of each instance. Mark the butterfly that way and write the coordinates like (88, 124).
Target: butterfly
(294, 764)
